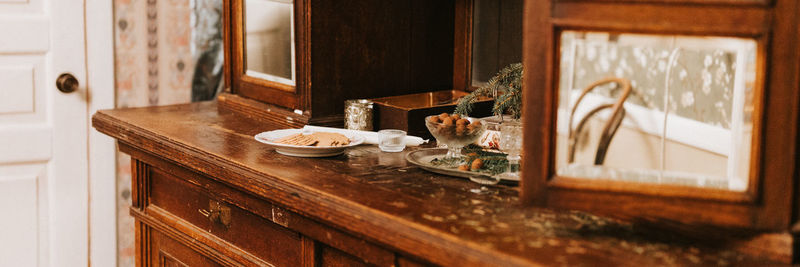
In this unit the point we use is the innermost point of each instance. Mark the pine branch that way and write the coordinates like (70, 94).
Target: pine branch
(466, 103)
(508, 83)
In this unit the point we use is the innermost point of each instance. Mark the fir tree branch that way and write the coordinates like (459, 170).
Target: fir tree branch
(507, 81)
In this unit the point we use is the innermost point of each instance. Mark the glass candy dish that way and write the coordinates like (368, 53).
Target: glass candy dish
(454, 133)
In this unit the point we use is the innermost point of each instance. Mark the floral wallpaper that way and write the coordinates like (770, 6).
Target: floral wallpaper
(701, 78)
(156, 44)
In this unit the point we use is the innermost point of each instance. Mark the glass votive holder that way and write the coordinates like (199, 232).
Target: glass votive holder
(391, 140)
(358, 114)
(511, 144)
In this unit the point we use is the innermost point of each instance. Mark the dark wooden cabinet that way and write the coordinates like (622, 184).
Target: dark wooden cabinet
(206, 194)
(362, 49)
(189, 219)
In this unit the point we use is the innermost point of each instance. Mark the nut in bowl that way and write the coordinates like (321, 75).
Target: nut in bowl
(454, 131)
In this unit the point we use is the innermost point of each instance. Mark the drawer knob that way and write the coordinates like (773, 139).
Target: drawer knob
(217, 213)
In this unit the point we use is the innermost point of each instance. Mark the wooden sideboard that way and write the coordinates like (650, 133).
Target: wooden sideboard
(205, 193)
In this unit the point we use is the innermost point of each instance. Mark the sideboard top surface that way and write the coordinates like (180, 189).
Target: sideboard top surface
(380, 197)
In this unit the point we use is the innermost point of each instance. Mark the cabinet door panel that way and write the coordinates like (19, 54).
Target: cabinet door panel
(168, 252)
(331, 257)
(408, 262)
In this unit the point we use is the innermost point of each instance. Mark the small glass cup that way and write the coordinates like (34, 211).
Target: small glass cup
(511, 144)
(391, 140)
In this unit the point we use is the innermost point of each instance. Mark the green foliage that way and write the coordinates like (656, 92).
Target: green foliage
(493, 162)
(508, 84)
(447, 162)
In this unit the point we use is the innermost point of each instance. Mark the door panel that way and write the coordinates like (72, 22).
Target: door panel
(17, 101)
(43, 134)
(21, 6)
(23, 100)
(25, 144)
(29, 34)
(19, 183)
(69, 194)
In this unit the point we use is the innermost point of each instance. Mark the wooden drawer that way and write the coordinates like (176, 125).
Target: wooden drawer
(331, 257)
(175, 201)
(190, 201)
(168, 252)
(409, 262)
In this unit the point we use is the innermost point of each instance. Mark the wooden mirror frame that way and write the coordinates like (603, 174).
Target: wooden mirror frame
(771, 198)
(360, 44)
(463, 37)
(280, 94)
(296, 97)
(462, 45)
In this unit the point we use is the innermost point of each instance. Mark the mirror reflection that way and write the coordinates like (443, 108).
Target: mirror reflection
(496, 37)
(656, 109)
(269, 40)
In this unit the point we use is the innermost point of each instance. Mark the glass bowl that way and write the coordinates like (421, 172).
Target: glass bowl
(455, 135)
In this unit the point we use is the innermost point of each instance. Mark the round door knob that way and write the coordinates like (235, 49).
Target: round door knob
(67, 83)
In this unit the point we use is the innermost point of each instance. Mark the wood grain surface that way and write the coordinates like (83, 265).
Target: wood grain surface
(381, 198)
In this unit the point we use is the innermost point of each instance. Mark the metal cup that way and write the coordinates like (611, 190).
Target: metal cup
(358, 114)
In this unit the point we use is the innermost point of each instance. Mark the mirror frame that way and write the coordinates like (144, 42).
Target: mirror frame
(462, 47)
(768, 203)
(670, 190)
(292, 97)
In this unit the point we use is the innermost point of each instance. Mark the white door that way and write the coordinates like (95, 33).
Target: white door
(43, 134)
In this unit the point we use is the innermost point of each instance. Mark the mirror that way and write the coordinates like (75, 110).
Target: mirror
(496, 37)
(678, 111)
(269, 52)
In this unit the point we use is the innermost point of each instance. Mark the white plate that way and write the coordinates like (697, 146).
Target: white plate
(304, 151)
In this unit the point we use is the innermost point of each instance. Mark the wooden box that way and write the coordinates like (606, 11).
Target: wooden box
(408, 112)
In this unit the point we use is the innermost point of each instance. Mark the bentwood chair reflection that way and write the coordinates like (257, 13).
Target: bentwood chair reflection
(611, 126)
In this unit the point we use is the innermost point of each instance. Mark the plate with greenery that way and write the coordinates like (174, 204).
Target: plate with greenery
(479, 165)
